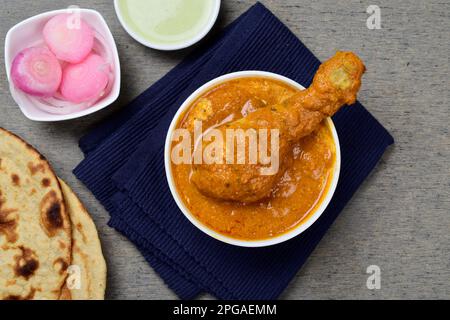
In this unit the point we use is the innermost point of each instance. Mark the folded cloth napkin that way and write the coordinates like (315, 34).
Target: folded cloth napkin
(124, 168)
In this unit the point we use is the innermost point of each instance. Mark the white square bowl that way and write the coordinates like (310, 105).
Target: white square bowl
(26, 33)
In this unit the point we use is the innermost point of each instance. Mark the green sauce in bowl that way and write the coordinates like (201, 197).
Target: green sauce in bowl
(167, 24)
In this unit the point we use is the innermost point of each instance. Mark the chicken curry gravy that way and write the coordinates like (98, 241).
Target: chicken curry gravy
(298, 192)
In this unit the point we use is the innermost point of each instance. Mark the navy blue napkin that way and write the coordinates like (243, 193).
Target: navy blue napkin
(124, 168)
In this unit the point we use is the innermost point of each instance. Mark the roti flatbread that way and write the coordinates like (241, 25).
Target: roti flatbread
(87, 274)
(35, 229)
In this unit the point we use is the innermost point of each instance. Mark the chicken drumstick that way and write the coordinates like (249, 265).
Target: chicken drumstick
(335, 84)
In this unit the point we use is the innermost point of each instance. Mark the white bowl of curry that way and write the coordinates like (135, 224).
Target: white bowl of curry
(303, 191)
(229, 182)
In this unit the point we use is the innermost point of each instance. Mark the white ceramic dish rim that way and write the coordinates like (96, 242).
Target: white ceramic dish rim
(182, 45)
(214, 234)
(115, 90)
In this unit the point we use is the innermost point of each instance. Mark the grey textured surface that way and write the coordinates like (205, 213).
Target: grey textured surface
(399, 219)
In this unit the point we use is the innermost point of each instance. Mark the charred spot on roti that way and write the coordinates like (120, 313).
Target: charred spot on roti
(33, 191)
(54, 215)
(76, 250)
(46, 182)
(62, 264)
(51, 213)
(35, 168)
(8, 224)
(26, 263)
(11, 282)
(8, 229)
(29, 296)
(65, 293)
(62, 245)
(15, 180)
(79, 227)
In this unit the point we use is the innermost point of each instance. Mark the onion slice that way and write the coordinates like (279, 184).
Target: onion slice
(37, 72)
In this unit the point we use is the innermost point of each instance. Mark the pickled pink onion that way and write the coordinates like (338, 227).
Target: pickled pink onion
(85, 81)
(69, 37)
(36, 71)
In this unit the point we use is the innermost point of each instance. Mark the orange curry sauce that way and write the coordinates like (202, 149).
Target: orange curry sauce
(298, 193)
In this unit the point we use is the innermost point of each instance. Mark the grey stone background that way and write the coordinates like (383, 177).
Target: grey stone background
(399, 219)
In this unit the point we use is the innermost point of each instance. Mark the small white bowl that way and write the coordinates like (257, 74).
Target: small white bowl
(28, 33)
(169, 47)
(303, 225)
